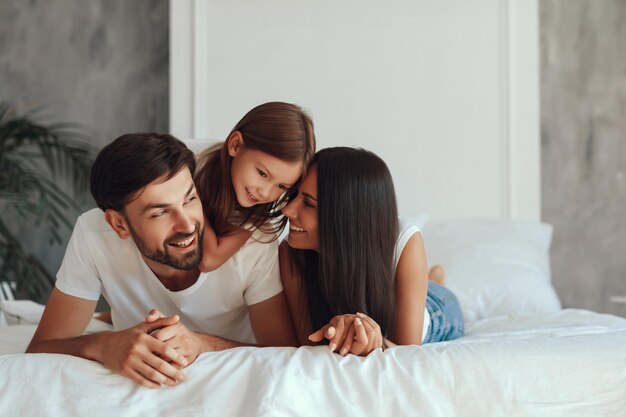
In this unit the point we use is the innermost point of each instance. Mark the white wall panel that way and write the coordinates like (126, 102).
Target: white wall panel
(444, 91)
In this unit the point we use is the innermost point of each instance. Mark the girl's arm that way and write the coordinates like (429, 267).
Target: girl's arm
(411, 286)
(296, 300)
(218, 249)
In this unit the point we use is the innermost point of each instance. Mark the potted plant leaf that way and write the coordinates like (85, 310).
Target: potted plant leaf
(44, 177)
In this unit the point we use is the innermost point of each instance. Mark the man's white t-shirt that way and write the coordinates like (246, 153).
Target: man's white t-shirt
(406, 231)
(98, 262)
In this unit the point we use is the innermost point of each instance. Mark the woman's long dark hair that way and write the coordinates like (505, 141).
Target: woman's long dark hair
(282, 130)
(358, 228)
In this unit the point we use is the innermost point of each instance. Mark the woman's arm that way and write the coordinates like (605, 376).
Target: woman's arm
(411, 286)
(218, 249)
(296, 299)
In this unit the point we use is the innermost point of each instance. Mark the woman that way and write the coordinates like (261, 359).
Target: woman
(351, 270)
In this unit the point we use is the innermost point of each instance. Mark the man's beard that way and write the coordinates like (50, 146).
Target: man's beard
(189, 261)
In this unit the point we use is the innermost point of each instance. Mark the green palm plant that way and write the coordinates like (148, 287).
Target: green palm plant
(44, 176)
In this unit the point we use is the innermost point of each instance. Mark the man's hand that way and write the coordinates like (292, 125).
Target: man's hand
(354, 333)
(146, 360)
(132, 353)
(176, 336)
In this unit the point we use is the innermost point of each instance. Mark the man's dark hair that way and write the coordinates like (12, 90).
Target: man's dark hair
(131, 162)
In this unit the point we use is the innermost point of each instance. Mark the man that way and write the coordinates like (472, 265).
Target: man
(142, 255)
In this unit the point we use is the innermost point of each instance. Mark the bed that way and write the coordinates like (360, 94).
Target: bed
(523, 355)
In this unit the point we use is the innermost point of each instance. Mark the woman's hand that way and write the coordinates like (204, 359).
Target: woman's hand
(374, 335)
(354, 333)
(340, 332)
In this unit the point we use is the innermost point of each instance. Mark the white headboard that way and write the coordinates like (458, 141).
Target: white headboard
(446, 92)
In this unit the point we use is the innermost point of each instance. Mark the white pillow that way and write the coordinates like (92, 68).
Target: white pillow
(21, 311)
(494, 267)
(417, 219)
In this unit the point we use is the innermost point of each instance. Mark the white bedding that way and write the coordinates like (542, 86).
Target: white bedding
(568, 363)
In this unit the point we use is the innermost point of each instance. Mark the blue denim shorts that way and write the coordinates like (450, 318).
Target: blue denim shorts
(446, 319)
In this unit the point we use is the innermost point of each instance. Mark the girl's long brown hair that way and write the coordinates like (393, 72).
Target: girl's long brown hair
(282, 130)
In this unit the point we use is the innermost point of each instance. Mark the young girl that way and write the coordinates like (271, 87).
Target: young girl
(243, 182)
(351, 269)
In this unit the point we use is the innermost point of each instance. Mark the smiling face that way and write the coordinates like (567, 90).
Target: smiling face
(258, 177)
(166, 222)
(302, 214)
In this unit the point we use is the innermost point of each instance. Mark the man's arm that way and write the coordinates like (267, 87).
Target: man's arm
(188, 343)
(64, 317)
(295, 297)
(132, 352)
(271, 322)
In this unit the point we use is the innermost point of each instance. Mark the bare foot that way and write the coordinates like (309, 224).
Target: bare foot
(105, 316)
(437, 274)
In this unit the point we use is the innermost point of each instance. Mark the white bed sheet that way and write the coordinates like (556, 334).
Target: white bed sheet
(569, 363)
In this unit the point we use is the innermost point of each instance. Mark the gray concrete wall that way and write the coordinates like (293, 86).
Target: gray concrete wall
(104, 64)
(101, 63)
(583, 138)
